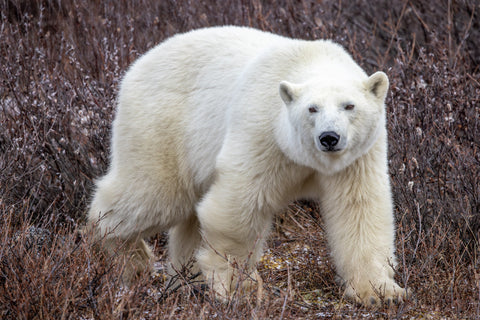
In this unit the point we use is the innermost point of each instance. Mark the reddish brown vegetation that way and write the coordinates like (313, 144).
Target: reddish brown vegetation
(60, 64)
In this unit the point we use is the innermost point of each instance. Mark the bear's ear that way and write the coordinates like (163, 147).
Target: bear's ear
(377, 84)
(289, 92)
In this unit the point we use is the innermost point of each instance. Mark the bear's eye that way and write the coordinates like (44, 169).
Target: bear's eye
(349, 107)
(312, 109)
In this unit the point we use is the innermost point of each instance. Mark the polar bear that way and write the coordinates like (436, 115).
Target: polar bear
(218, 129)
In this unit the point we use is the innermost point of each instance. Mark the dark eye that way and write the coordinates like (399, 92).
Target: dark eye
(349, 107)
(312, 109)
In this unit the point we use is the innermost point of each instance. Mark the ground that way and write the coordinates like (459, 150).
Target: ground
(61, 65)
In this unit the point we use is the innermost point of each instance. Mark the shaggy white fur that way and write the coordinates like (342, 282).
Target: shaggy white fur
(219, 129)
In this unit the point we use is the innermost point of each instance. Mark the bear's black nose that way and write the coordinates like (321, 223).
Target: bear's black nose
(329, 139)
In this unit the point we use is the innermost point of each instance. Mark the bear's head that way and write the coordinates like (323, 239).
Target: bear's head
(333, 121)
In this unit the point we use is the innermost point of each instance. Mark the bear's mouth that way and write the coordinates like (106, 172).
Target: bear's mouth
(331, 149)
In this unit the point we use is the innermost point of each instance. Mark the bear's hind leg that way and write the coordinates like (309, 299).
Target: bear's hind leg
(183, 241)
(139, 259)
(113, 219)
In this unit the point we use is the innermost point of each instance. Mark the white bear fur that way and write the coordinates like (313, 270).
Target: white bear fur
(213, 136)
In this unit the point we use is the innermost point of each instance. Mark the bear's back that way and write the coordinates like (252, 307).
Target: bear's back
(173, 101)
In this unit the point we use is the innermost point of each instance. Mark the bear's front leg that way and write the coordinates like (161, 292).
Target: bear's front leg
(357, 209)
(233, 231)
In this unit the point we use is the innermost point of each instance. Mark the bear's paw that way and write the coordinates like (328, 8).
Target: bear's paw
(376, 295)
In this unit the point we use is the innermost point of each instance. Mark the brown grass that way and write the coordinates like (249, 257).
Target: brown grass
(60, 65)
